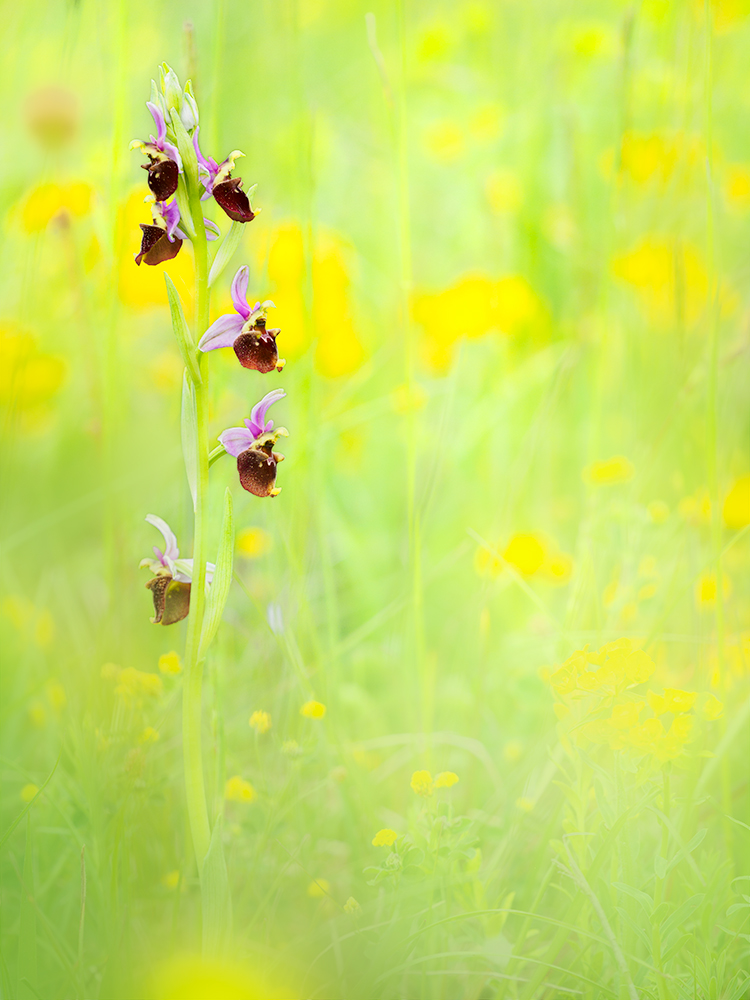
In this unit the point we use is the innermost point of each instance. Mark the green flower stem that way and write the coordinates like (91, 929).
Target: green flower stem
(195, 790)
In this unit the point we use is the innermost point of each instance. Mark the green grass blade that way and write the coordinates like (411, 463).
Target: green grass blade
(217, 595)
(225, 252)
(182, 331)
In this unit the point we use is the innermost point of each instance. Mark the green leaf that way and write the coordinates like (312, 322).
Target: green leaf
(643, 898)
(215, 895)
(182, 332)
(224, 254)
(189, 434)
(217, 595)
(183, 203)
(680, 915)
(186, 148)
(661, 866)
(27, 928)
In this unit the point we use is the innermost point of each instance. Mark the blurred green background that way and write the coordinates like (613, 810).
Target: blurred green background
(508, 246)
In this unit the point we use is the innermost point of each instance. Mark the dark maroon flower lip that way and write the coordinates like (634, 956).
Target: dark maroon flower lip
(230, 196)
(257, 469)
(163, 175)
(256, 348)
(156, 246)
(171, 599)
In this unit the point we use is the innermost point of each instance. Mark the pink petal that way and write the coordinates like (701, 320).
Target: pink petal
(170, 541)
(222, 333)
(239, 291)
(236, 440)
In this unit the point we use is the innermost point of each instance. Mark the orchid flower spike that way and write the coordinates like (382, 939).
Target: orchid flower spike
(217, 181)
(252, 446)
(245, 330)
(165, 164)
(162, 240)
(173, 576)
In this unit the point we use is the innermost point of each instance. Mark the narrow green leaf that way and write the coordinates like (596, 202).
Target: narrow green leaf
(217, 595)
(182, 331)
(189, 433)
(27, 929)
(224, 254)
(643, 898)
(23, 812)
(660, 866)
(183, 203)
(216, 898)
(186, 148)
(680, 915)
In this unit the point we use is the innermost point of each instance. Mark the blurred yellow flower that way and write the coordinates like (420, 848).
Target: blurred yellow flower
(503, 190)
(318, 888)
(384, 838)
(696, 509)
(421, 783)
(486, 122)
(736, 510)
(434, 42)
(133, 685)
(291, 748)
(446, 779)
(670, 278)
(737, 185)
(37, 714)
(706, 590)
(608, 471)
(260, 721)
(187, 977)
(170, 663)
(170, 880)
(58, 699)
(712, 708)
(444, 140)
(46, 202)
(29, 378)
(624, 716)
(28, 792)
(558, 567)
(352, 907)
(339, 350)
(149, 735)
(512, 751)
(648, 157)
(658, 511)
(525, 805)
(313, 710)
(673, 700)
(238, 790)
(525, 552)
(252, 543)
(647, 591)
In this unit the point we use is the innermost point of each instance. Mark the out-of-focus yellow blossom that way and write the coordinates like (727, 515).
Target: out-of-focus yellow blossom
(525, 805)
(660, 270)
(503, 190)
(434, 42)
(260, 721)
(525, 552)
(28, 792)
(609, 471)
(488, 561)
(318, 888)
(187, 977)
(486, 122)
(29, 378)
(445, 141)
(409, 398)
(735, 661)
(291, 748)
(673, 700)
(512, 751)
(696, 509)
(647, 591)
(384, 838)
(56, 695)
(339, 351)
(736, 510)
(625, 716)
(648, 157)
(472, 307)
(134, 685)
(143, 287)
(170, 880)
(609, 594)
(37, 714)
(46, 202)
(252, 543)
(658, 511)
(712, 708)
(612, 669)
(170, 663)
(706, 590)
(110, 671)
(726, 14)
(591, 40)
(149, 735)
(286, 271)
(166, 371)
(238, 790)
(737, 185)
(421, 783)
(352, 907)
(313, 710)
(446, 779)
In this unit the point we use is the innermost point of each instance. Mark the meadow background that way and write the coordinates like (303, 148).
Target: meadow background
(508, 246)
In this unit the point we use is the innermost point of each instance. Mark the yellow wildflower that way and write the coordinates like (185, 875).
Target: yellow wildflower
(238, 790)
(170, 880)
(318, 888)
(421, 783)
(384, 838)
(673, 700)
(252, 543)
(736, 510)
(446, 779)
(605, 472)
(29, 378)
(712, 708)
(525, 552)
(339, 350)
(58, 699)
(669, 277)
(681, 728)
(170, 663)
(260, 721)
(525, 804)
(46, 202)
(737, 185)
(706, 590)
(352, 907)
(503, 191)
(28, 792)
(444, 140)
(149, 735)
(132, 684)
(646, 158)
(291, 748)
(647, 591)
(488, 561)
(313, 710)
(558, 568)
(625, 716)
(37, 714)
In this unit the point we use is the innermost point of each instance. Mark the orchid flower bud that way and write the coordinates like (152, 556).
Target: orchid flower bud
(189, 109)
(170, 87)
